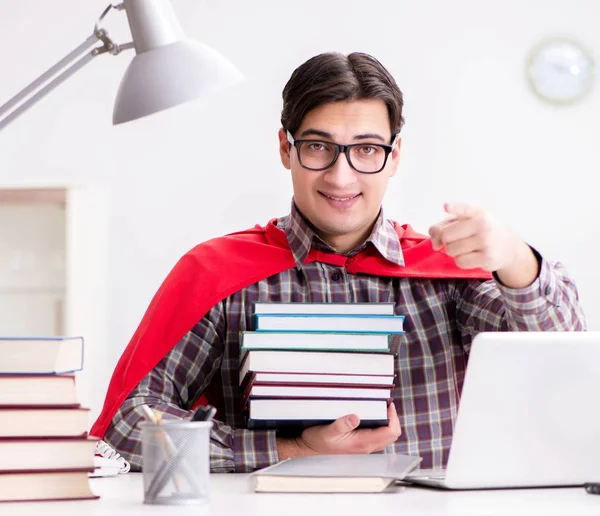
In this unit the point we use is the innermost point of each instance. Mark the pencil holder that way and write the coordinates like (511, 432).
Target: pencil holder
(176, 462)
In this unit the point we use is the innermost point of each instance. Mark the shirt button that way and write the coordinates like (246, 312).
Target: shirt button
(336, 276)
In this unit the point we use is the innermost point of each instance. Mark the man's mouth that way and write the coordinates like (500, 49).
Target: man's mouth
(340, 198)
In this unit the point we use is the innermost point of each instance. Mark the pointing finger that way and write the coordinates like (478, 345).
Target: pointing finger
(461, 209)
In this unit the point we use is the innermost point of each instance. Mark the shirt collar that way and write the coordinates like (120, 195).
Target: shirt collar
(301, 238)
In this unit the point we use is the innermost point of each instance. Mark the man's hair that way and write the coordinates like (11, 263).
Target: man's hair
(335, 77)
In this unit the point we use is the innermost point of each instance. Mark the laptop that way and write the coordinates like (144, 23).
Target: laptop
(529, 414)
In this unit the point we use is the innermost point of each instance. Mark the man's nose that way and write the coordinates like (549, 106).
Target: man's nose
(341, 173)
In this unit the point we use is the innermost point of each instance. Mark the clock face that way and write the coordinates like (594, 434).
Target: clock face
(560, 71)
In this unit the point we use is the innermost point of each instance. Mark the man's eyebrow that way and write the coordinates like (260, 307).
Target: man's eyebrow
(369, 136)
(329, 136)
(316, 132)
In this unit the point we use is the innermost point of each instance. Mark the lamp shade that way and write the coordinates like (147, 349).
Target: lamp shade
(168, 68)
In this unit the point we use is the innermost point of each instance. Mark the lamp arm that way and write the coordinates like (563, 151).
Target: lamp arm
(60, 72)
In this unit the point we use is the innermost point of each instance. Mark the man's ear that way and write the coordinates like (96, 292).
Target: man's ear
(284, 149)
(395, 157)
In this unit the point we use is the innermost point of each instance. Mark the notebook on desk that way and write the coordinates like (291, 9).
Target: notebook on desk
(528, 413)
(334, 474)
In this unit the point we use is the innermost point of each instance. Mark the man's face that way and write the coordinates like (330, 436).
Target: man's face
(340, 202)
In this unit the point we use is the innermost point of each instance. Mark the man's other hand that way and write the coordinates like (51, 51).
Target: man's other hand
(341, 437)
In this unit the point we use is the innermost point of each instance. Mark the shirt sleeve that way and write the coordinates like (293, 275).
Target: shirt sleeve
(550, 303)
(171, 388)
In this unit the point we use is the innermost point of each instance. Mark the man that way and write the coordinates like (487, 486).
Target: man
(341, 121)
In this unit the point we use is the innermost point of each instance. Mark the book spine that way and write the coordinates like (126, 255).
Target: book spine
(295, 427)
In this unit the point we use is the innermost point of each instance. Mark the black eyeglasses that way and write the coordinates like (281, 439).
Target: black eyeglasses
(366, 158)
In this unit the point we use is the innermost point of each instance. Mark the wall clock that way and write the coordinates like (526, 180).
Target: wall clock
(560, 71)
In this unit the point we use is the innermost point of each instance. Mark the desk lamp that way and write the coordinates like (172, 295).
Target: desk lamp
(168, 68)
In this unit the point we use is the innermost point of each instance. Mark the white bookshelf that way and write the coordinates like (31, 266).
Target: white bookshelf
(32, 262)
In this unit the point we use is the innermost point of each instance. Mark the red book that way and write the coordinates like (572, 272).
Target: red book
(44, 421)
(46, 486)
(25, 389)
(332, 391)
(46, 454)
(319, 379)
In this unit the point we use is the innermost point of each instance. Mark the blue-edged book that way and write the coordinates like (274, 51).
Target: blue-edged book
(41, 355)
(317, 341)
(357, 323)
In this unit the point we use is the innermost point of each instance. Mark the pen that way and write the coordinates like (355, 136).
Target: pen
(149, 414)
(592, 487)
(204, 413)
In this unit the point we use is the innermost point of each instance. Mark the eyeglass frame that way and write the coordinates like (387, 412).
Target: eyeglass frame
(339, 149)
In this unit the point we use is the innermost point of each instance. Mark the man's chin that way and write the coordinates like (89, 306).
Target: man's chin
(333, 229)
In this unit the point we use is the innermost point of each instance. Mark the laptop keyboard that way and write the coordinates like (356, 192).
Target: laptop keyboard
(428, 474)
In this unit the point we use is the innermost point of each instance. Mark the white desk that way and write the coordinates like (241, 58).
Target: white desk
(230, 495)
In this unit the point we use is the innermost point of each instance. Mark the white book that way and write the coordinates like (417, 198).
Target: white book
(315, 340)
(40, 355)
(324, 308)
(316, 362)
(360, 473)
(302, 411)
(333, 323)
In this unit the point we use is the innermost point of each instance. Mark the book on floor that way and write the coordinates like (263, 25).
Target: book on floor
(40, 355)
(324, 308)
(43, 421)
(45, 486)
(360, 473)
(24, 389)
(329, 322)
(323, 341)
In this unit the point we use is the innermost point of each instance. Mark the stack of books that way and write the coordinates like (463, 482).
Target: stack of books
(45, 452)
(308, 364)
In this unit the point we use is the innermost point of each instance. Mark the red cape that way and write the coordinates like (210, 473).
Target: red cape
(215, 269)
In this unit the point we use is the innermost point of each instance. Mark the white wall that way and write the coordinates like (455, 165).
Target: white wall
(474, 130)
(87, 287)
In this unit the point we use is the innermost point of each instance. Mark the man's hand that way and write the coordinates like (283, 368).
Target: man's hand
(341, 436)
(474, 240)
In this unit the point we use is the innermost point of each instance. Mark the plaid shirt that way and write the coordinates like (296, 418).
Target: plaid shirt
(442, 317)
